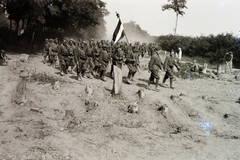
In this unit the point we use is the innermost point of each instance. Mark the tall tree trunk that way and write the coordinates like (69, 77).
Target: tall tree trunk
(175, 29)
(33, 35)
(10, 31)
(16, 34)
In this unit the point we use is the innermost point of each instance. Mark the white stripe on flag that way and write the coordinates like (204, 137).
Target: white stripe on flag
(119, 35)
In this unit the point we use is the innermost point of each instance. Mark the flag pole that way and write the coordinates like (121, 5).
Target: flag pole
(118, 16)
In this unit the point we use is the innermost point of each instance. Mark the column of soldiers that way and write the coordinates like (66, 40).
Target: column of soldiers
(91, 58)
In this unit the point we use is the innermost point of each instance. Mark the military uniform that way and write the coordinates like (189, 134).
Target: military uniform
(53, 53)
(90, 65)
(154, 65)
(96, 59)
(169, 63)
(3, 56)
(71, 49)
(151, 50)
(46, 50)
(136, 49)
(143, 50)
(63, 57)
(81, 61)
(132, 61)
(104, 60)
(117, 59)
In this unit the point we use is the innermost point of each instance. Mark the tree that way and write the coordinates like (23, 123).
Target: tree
(177, 6)
(55, 18)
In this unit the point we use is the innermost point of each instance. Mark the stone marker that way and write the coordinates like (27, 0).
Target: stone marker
(117, 81)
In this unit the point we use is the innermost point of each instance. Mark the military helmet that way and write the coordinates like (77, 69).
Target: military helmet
(104, 46)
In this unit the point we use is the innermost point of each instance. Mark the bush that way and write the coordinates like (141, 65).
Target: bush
(211, 47)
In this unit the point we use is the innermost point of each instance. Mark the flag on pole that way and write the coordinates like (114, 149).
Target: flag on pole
(118, 32)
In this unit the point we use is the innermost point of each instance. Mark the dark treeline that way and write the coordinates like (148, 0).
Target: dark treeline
(210, 47)
(26, 23)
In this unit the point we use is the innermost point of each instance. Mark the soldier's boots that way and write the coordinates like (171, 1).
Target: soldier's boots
(61, 73)
(54, 64)
(129, 79)
(103, 78)
(163, 82)
(70, 71)
(79, 77)
(84, 75)
(156, 84)
(90, 76)
(44, 60)
(132, 79)
(95, 73)
(150, 81)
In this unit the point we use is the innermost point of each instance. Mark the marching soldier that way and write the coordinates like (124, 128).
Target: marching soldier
(63, 57)
(80, 58)
(104, 60)
(117, 59)
(3, 56)
(71, 49)
(151, 49)
(154, 65)
(53, 52)
(96, 59)
(90, 65)
(169, 63)
(132, 62)
(45, 50)
(136, 49)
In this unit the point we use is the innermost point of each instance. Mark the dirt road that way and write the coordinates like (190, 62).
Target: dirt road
(199, 119)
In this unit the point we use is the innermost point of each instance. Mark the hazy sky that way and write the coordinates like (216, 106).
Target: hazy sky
(203, 17)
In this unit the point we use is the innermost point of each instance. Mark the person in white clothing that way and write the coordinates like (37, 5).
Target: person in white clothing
(180, 53)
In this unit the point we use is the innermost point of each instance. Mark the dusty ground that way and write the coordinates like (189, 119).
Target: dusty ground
(202, 122)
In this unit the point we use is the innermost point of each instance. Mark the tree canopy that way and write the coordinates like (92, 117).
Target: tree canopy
(36, 19)
(177, 6)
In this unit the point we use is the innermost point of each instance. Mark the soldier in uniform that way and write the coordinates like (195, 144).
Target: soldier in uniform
(3, 56)
(45, 50)
(168, 65)
(96, 59)
(117, 59)
(63, 57)
(71, 48)
(132, 61)
(143, 49)
(136, 49)
(151, 49)
(104, 60)
(88, 51)
(53, 52)
(154, 65)
(80, 58)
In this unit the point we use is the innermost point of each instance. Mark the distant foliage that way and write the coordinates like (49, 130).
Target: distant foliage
(34, 20)
(210, 47)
